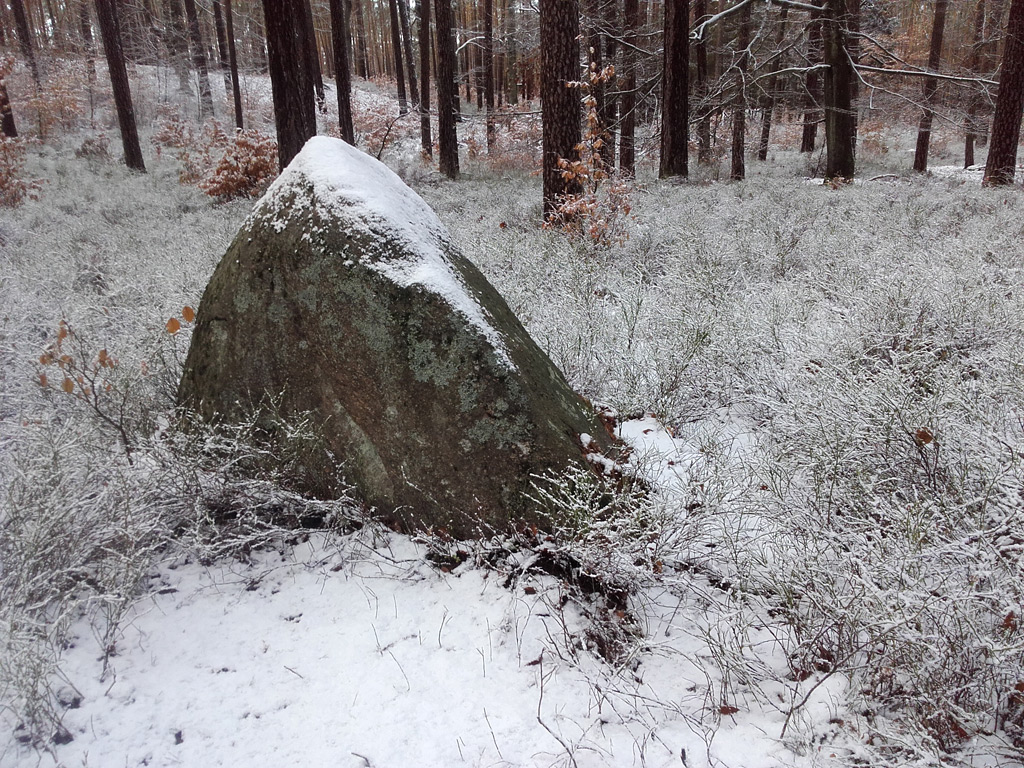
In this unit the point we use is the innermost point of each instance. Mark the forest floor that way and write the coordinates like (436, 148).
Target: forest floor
(824, 386)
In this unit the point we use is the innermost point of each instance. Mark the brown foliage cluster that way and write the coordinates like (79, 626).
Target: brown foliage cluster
(224, 165)
(13, 187)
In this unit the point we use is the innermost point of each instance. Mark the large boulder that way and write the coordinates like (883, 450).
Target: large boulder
(343, 297)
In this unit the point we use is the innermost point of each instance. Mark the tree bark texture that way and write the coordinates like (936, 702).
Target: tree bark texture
(342, 69)
(675, 112)
(24, 33)
(396, 49)
(812, 84)
(195, 35)
(560, 103)
(316, 76)
(410, 69)
(222, 44)
(1002, 151)
(974, 67)
(426, 141)
(106, 11)
(931, 87)
(447, 95)
(627, 131)
(738, 171)
(294, 111)
(6, 113)
(840, 119)
(236, 90)
(488, 64)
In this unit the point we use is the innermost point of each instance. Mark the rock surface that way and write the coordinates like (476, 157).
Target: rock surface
(343, 297)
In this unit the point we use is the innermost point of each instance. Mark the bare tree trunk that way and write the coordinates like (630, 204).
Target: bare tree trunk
(812, 113)
(24, 33)
(6, 113)
(342, 71)
(931, 87)
(739, 114)
(447, 94)
(840, 119)
(316, 77)
(85, 26)
(177, 44)
(627, 133)
(106, 11)
(410, 69)
(489, 71)
(770, 89)
(361, 56)
(974, 67)
(396, 45)
(294, 110)
(1002, 152)
(222, 45)
(426, 142)
(560, 104)
(199, 60)
(236, 90)
(675, 112)
(609, 108)
(700, 10)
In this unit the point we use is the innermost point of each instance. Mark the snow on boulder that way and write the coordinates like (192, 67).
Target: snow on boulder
(343, 297)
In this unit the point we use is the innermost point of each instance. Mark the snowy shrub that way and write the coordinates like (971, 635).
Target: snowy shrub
(14, 188)
(246, 168)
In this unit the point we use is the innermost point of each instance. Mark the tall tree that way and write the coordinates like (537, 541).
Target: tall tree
(362, 57)
(931, 87)
(739, 114)
(488, 64)
(199, 60)
(771, 87)
(426, 141)
(609, 108)
(812, 86)
(447, 95)
(627, 131)
(316, 75)
(560, 103)
(700, 10)
(840, 118)
(6, 113)
(974, 66)
(410, 69)
(222, 44)
(1002, 151)
(294, 110)
(236, 90)
(396, 47)
(177, 44)
(106, 11)
(675, 112)
(342, 68)
(24, 33)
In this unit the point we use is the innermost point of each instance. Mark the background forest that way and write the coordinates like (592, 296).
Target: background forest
(821, 382)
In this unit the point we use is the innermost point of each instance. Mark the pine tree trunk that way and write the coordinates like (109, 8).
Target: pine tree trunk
(236, 90)
(627, 132)
(974, 67)
(106, 11)
(199, 60)
(222, 45)
(396, 48)
(560, 104)
(361, 56)
(294, 110)
(1002, 152)
(700, 10)
(24, 33)
(771, 89)
(177, 44)
(410, 69)
(738, 171)
(675, 113)
(609, 110)
(447, 93)
(840, 120)
(316, 77)
(931, 87)
(85, 26)
(6, 113)
(426, 141)
(489, 71)
(813, 95)
(342, 68)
